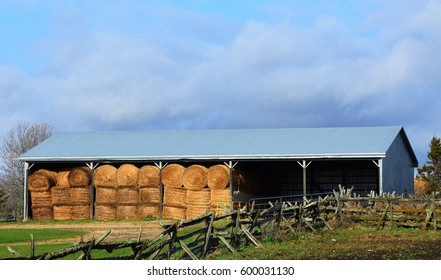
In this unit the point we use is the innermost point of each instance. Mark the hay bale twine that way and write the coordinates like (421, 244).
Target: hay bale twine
(42, 180)
(195, 177)
(175, 196)
(146, 210)
(127, 195)
(105, 176)
(173, 212)
(148, 176)
(80, 212)
(41, 198)
(149, 195)
(106, 195)
(172, 175)
(79, 177)
(80, 195)
(105, 212)
(42, 213)
(127, 212)
(127, 175)
(60, 195)
(62, 178)
(62, 212)
(218, 176)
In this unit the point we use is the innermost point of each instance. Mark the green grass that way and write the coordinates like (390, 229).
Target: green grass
(9, 236)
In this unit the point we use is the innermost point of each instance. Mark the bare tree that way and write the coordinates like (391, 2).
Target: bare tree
(17, 141)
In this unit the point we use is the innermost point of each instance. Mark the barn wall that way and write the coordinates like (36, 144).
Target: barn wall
(398, 170)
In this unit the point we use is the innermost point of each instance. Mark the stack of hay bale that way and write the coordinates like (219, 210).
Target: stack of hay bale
(79, 191)
(198, 194)
(39, 185)
(127, 192)
(174, 203)
(60, 195)
(148, 182)
(105, 192)
(218, 178)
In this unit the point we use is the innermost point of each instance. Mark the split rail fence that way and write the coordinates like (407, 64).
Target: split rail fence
(194, 239)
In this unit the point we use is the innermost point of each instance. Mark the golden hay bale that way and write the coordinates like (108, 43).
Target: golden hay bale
(105, 176)
(80, 195)
(79, 177)
(62, 212)
(148, 176)
(42, 180)
(42, 213)
(172, 175)
(175, 196)
(149, 195)
(60, 195)
(41, 199)
(145, 210)
(80, 212)
(198, 197)
(105, 212)
(172, 212)
(218, 176)
(127, 195)
(62, 178)
(127, 175)
(106, 195)
(196, 211)
(195, 177)
(127, 212)
(220, 195)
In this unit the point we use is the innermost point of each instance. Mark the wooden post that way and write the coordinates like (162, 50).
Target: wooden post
(161, 166)
(304, 165)
(92, 167)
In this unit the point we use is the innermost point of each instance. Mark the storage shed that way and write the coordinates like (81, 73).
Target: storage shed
(258, 163)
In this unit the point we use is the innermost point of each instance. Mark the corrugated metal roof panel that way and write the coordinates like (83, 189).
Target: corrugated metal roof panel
(331, 142)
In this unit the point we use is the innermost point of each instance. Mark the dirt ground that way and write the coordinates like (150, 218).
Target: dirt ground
(120, 230)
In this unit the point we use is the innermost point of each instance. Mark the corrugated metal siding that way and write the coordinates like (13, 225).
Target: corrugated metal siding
(346, 142)
(398, 168)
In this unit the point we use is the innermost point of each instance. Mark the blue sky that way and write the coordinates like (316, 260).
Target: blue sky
(137, 65)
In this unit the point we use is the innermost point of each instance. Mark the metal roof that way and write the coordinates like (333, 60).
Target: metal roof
(222, 144)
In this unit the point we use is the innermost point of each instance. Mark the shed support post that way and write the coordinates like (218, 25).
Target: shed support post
(25, 190)
(231, 166)
(161, 166)
(92, 167)
(304, 165)
(379, 164)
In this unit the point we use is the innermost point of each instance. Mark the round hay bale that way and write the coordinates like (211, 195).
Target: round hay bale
(80, 195)
(194, 211)
(198, 197)
(175, 196)
(148, 176)
(127, 195)
(105, 212)
(127, 175)
(195, 177)
(218, 176)
(149, 195)
(80, 212)
(79, 177)
(62, 212)
(106, 195)
(172, 212)
(62, 178)
(42, 180)
(105, 176)
(146, 210)
(172, 175)
(60, 195)
(42, 213)
(41, 198)
(127, 212)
